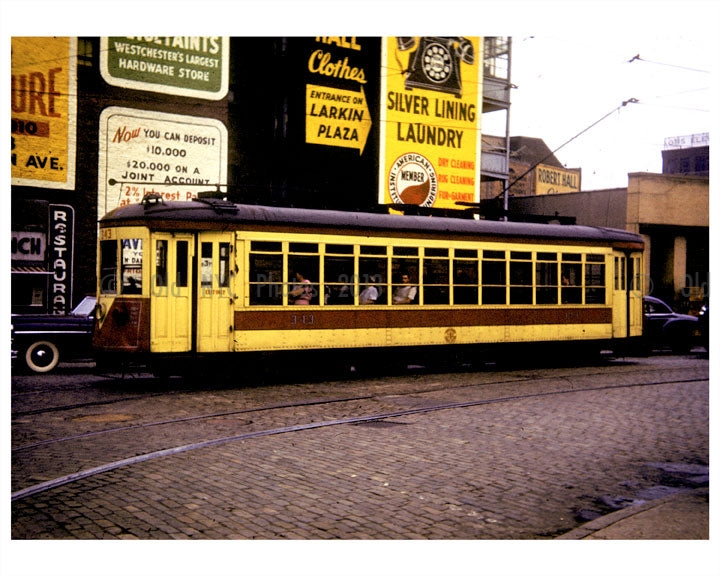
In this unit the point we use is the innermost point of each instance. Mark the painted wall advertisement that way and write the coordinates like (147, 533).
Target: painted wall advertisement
(143, 152)
(43, 112)
(195, 66)
(553, 180)
(335, 116)
(431, 105)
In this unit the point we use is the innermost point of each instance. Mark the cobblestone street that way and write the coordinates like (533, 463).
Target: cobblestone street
(532, 465)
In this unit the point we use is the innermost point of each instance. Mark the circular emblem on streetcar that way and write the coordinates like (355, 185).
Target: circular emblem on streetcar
(412, 180)
(437, 63)
(450, 336)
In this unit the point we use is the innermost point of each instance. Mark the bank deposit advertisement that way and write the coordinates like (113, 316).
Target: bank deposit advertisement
(431, 105)
(195, 66)
(143, 152)
(43, 112)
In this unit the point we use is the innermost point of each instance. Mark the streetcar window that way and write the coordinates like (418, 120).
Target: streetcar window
(339, 249)
(594, 283)
(547, 256)
(224, 265)
(494, 277)
(619, 273)
(405, 251)
(339, 279)
(256, 246)
(436, 280)
(462, 253)
(405, 277)
(465, 280)
(546, 280)
(108, 266)
(181, 265)
(373, 272)
(132, 258)
(436, 252)
(373, 250)
(206, 264)
(571, 280)
(303, 247)
(161, 263)
(266, 279)
(303, 276)
(521, 279)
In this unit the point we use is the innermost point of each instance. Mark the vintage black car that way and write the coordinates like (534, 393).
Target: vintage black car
(664, 328)
(41, 341)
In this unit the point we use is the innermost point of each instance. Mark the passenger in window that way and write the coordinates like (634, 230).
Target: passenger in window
(132, 287)
(301, 292)
(370, 293)
(406, 292)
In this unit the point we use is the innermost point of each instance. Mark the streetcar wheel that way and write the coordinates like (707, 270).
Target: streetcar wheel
(42, 356)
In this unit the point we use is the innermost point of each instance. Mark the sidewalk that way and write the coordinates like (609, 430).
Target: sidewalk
(683, 516)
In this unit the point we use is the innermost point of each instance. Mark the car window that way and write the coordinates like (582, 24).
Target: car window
(86, 307)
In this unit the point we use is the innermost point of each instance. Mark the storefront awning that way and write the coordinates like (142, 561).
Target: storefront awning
(29, 270)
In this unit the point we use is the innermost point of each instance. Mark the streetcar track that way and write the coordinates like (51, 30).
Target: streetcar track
(250, 410)
(67, 479)
(68, 407)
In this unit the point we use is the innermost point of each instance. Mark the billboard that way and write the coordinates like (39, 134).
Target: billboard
(553, 180)
(431, 105)
(195, 66)
(143, 152)
(336, 106)
(43, 112)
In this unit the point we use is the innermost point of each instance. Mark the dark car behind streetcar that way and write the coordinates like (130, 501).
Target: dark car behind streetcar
(41, 341)
(664, 328)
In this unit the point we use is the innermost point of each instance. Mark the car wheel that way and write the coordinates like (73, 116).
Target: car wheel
(42, 356)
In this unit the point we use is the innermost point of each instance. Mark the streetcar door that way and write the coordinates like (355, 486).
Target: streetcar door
(171, 293)
(635, 286)
(216, 265)
(620, 299)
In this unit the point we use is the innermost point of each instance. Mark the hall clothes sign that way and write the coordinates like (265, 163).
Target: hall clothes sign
(431, 105)
(43, 95)
(336, 116)
(195, 66)
(143, 152)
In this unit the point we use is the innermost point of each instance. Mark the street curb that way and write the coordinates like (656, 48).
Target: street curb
(614, 517)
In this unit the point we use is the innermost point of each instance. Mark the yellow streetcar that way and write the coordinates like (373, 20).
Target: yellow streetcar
(182, 281)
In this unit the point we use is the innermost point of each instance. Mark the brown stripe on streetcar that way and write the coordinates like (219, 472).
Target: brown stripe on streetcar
(308, 318)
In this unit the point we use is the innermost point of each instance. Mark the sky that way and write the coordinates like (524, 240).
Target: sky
(567, 83)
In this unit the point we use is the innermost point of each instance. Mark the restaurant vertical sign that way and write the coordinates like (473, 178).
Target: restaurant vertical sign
(431, 105)
(61, 235)
(43, 107)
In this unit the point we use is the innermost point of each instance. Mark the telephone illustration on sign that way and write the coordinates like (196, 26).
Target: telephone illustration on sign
(435, 64)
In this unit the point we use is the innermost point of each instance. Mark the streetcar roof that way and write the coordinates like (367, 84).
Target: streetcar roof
(227, 213)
